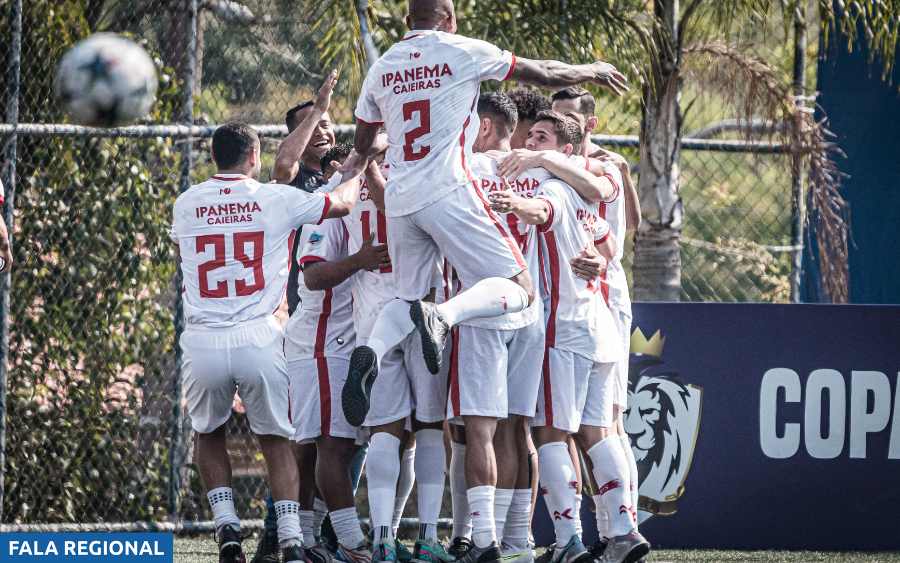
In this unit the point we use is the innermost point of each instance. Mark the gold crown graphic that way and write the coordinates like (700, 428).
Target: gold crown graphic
(652, 347)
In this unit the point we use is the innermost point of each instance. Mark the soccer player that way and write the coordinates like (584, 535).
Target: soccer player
(424, 90)
(233, 235)
(529, 103)
(6, 259)
(579, 355)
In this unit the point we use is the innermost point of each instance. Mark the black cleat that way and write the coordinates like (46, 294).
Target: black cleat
(598, 548)
(358, 387)
(489, 554)
(433, 330)
(230, 546)
(459, 547)
(629, 548)
(267, 548)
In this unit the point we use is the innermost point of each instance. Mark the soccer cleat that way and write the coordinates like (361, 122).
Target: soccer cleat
(459, 547)
(433, 331)
(629, 548)
(598, 548)
(230, 545)
(574, 552)
(430, 551)
(384, 551)
(266, 548)
(510, 554)
(317, 554)
(358, 387)
(547, 555)
(489, 554)
(361, 554)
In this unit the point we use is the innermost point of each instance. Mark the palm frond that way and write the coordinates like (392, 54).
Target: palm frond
(756, 89)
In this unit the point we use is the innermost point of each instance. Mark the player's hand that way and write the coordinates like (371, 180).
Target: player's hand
(607, 76)
(373, 256)
(589, 264)
(504, 201)
(323, 98)
(519, 161)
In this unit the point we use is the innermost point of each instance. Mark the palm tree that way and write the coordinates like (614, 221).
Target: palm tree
(661, 43)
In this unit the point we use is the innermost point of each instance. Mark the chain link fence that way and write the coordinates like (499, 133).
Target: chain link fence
(94, 427)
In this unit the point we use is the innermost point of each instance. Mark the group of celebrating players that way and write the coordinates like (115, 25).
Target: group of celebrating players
(455, 275)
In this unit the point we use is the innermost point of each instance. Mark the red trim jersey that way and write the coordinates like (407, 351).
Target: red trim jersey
(322, 326)
(577, 318)
(486, 178)
(234, 237)
(424, 90)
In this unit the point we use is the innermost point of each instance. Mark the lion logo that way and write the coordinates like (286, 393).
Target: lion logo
(662, 420)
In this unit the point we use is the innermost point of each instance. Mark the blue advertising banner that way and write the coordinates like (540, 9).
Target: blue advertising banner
(764, 426)
(82, 547)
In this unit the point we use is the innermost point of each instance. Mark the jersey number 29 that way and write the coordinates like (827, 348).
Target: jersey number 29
(255, 240)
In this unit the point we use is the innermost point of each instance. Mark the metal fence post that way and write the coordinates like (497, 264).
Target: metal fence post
(187, 162)
(798, 173)
(9, 181)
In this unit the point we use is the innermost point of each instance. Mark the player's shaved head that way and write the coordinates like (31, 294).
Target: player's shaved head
(232, 145)
(432, 14)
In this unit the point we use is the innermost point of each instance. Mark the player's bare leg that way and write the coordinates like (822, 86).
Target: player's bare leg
(215, 471)
(284, 482)
(462, 522)
(490, 297)
(559, 482)
(481, 479)
(383, 471)
(306, 455)
(610, 468)
(333, 480)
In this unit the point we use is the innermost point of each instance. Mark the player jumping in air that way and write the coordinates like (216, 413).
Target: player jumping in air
(233, 235)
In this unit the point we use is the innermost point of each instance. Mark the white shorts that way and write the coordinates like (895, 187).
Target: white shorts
(459, 227)
(495, 372)
(601, 392)
(316, 385)
(622, 321)
(405, 387)
(249, 359)
(563, 390)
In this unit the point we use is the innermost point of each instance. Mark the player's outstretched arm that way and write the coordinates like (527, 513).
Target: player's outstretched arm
(556, 74)
(592, 187)
(376, 182)
(343, 197)
(287, 161)
(532, 211)
(326, 275)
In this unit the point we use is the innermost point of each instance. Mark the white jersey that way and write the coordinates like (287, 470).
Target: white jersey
(323, 326)
(234, 236)
(614, 283)
(484, 169)
(424, 90)
(577, 318)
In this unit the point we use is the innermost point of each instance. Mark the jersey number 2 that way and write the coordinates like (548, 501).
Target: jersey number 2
(423, 108)
(252, 261)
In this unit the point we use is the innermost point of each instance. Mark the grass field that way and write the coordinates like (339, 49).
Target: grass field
(202, 549)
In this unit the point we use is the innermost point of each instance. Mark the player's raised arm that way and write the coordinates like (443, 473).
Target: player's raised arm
(556, 74)
(287, 161)
(342, 199)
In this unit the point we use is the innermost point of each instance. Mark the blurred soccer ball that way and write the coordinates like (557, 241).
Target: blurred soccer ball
(106, 80)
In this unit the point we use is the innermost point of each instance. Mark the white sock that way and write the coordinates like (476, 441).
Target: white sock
(518, 520)
(320, 511)
(404, 485)
(577, 514)
(431, 459)
(462, 523)
(382, 470)
(557, 478)
(611, 473)
(288, 513)
(602, 517)
(307, 519)
(502, 501)
(481, 509)
(491, 297)
(346, 527)
(391, 327)
(221, 500)
(632, 470)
